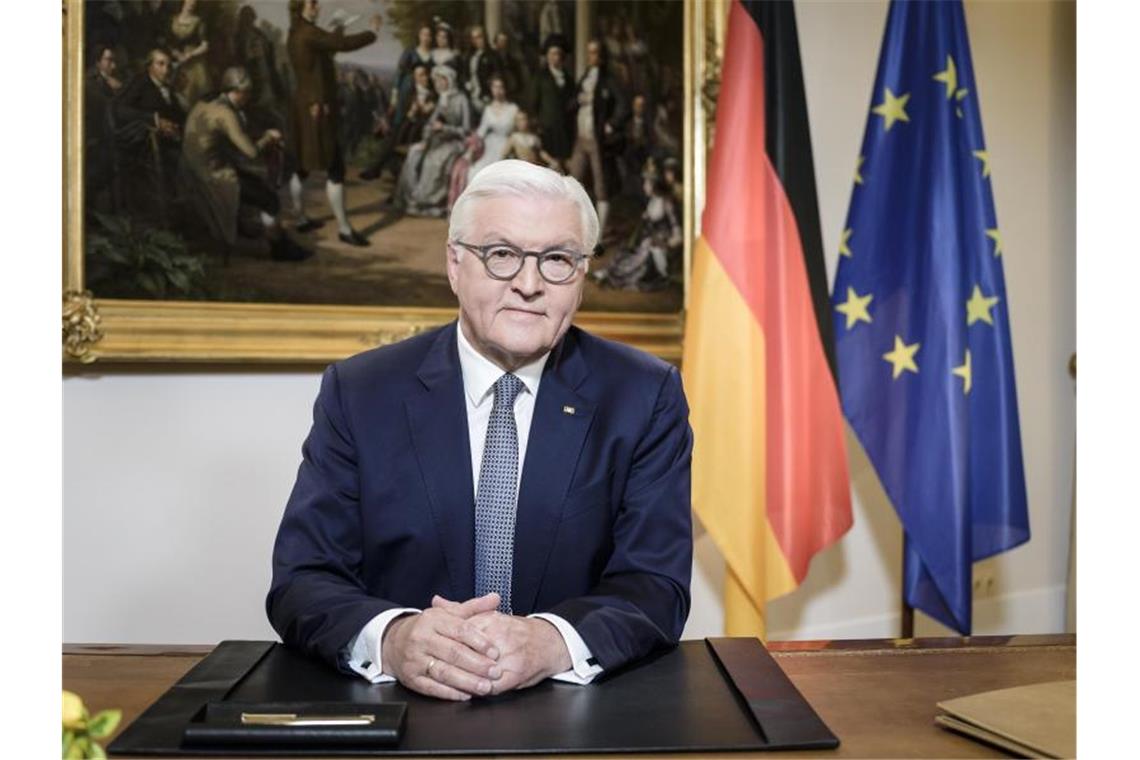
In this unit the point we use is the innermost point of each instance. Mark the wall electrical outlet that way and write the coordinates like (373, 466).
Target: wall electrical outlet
(985, 582)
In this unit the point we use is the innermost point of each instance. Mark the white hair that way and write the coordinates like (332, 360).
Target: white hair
(445, 71)
(522, 179)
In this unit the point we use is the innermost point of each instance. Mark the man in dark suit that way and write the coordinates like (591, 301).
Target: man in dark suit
(479, 66)
(148, 103)
(500, 500)
(101, 87)
(602, 112)
(514, 72)
(148, 123)
(552, 100)
(315, 111)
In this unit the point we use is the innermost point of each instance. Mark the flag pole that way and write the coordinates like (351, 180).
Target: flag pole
(907, 626)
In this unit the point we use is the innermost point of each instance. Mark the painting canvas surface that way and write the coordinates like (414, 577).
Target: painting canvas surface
(193, 194)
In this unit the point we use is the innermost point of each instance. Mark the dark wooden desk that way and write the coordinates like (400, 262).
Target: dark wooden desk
(878, 696)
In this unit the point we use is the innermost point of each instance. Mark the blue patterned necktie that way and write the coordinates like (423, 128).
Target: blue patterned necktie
(497, 495)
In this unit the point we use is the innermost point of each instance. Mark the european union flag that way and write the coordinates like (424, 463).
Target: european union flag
(925, 361)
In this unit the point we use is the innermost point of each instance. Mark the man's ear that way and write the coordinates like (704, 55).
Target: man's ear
(452, 257)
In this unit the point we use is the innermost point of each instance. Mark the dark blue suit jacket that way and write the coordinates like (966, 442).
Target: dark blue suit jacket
(382, 514)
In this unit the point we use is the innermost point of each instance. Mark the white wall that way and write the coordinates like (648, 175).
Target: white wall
(174, 480)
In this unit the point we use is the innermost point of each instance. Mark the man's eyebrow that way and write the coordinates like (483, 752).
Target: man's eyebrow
(567, 244)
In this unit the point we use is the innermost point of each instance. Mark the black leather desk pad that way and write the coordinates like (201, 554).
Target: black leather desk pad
(683, 700)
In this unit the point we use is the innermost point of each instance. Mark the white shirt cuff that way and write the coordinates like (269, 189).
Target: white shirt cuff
(364, 656)
(583, 667)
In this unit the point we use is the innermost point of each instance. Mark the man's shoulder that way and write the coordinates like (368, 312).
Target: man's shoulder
(209, 108)
(610, 358)
(393, 363)
(137, 87)
(301, 34)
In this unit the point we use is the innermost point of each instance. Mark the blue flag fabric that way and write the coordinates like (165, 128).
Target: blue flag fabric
(925, 361)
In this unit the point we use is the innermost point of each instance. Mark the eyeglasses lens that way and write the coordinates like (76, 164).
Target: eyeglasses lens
(505, 263)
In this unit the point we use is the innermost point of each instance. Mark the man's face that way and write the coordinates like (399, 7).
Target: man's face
(106, 63)
(240, 98)
(638, 105)
(477, 39)
(160, 67)
(593, 54)
(554, 57)
(501, 41)
(310, 10)
(514, 322)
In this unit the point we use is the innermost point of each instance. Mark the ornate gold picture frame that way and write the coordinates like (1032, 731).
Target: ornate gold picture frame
(102, 329)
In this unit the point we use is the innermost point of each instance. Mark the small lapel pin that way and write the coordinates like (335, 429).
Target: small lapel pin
(567, 409)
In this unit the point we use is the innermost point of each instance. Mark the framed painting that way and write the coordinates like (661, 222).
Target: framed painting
(269, 180)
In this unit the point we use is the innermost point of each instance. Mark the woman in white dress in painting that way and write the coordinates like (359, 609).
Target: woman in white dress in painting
(496, 126)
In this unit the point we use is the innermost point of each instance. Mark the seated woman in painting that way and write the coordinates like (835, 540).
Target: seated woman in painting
(415, 107)
(644, 264)
(425, 177)
(489, 142)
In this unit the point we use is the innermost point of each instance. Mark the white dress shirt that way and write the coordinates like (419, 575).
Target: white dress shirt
(479, 377)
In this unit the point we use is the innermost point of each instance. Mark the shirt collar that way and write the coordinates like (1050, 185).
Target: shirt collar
(480, 373)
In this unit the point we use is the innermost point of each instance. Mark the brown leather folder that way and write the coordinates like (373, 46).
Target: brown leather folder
(1031, 721)
(702, 696)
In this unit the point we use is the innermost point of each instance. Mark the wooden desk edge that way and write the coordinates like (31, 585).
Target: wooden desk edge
(139, 650)
(776, 647)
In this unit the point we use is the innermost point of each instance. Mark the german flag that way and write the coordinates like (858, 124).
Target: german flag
(770, 478)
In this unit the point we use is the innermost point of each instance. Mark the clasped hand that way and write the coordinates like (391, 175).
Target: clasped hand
(457, 650)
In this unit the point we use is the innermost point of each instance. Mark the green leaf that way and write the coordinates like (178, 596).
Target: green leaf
(152, 284)
(117, 225)
(96, 751)
(167, 239)
(68, 740)
(179, 280)
(104, 723)
(191, 265)
(111, 253)
(116, 256)
(78, 749)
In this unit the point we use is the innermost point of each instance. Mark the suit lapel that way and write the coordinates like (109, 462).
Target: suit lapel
(557, 433)
(438, 421)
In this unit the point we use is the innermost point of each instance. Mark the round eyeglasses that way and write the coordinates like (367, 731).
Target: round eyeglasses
(504, 261)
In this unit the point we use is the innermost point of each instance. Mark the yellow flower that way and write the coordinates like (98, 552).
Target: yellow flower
(72, 710)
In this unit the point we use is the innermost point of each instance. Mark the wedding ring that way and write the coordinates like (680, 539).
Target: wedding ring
(431, 662)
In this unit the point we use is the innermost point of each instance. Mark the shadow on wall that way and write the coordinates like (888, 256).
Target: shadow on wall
(830, 568)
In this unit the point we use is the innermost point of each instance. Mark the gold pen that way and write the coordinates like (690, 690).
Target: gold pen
(293, 719)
